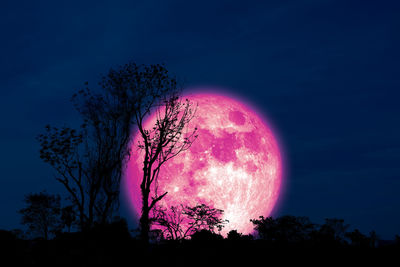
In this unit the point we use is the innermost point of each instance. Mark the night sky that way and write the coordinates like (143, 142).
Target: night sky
(325, 73)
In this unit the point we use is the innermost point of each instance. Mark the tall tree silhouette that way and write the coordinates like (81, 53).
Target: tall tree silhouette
(90, 161)
(164, 140)
(60, 148)
(146, 90)
(42, 214)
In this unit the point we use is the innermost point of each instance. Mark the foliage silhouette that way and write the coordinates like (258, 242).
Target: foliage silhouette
(111, 243)
(373, 237)
(182, 222)
(168, 223)
(358, 239)
(234, 235)
(89, 161)
(68, 216)
(336, 228)
(205, 235)
(299, 231)
(154, 90)
(285, 229)
(42, 214)
(202, 217)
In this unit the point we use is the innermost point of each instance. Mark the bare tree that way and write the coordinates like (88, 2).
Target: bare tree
(166, 139)
(60, 148)
(42, 213)
(107, 130)
(169, 222)
(149, 90)
(181, 222)
(90, 161)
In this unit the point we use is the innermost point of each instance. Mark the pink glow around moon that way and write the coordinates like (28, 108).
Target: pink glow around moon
(234, 165)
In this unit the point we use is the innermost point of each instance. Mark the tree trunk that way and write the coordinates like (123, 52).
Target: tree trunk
(46, 236)
(82, 221)
(144, 220)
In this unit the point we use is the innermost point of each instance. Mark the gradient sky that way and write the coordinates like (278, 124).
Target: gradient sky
(325, 72)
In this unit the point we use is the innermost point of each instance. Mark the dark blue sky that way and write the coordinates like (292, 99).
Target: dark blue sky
(326, 73)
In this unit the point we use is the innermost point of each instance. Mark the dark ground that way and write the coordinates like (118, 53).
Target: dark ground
(116, 246)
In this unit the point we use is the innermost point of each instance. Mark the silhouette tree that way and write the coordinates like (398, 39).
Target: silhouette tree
(332, 233)
(89, 162)
(164, 140)
(397, 240)
(42, 213)
(358, 239)
(336, 228)
(203, 217)
(68, 216)
(293, 229)
(373, 237)
(60, 148)
(265, 227)
(107, 126)
(234, 235)
(205, 235)
(285, 229)
(170, 223)
(182, 222)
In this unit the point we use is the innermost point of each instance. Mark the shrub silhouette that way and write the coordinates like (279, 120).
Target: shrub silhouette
(42, 214)
(205, 235)
(181, 222)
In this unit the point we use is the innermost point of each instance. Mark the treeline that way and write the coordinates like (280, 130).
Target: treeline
(114, 243)
(46, 218)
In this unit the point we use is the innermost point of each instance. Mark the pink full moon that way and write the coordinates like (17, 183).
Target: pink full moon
(234, 165)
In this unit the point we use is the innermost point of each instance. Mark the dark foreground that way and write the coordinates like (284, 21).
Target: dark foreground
(119, 248)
